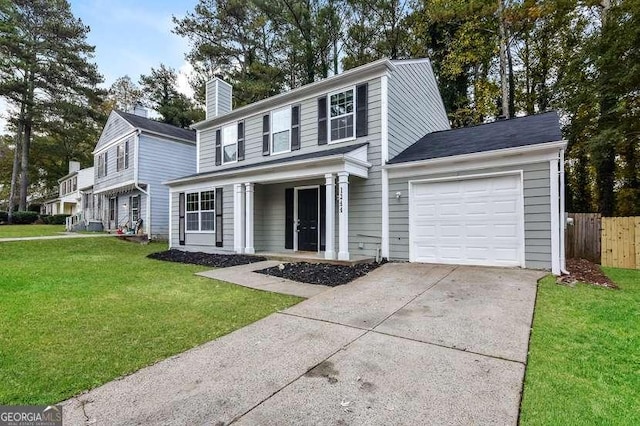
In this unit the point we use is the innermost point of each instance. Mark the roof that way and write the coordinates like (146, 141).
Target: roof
(502, 134)
(281, 160)
(157, 127)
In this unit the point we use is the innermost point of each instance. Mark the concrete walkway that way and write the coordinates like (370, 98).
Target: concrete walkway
(62, 236)
(406, 344)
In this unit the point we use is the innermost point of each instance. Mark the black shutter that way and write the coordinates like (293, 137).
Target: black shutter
(362, 124)
(240, 140)
(295, 127)
(106, 161)
(288, 220)
(126, 154)
(323, 217)
(322, 120)
(218, 147)
(219, 229)
(265, 135)
(181, 229)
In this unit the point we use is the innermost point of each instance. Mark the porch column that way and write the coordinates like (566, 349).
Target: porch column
(343, 215)
(330, 215)
(249, 249)
(238, 218)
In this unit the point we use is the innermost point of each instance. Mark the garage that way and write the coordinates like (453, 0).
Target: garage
(471, 220)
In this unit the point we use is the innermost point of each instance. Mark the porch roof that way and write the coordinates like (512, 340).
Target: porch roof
(302, 163)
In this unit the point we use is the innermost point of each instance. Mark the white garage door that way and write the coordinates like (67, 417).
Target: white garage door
(475, 221)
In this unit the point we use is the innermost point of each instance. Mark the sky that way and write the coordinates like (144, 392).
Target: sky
(131, 37)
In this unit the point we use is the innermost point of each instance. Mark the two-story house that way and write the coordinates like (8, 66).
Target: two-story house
(132, 157)
(74, 189)
(364, 164)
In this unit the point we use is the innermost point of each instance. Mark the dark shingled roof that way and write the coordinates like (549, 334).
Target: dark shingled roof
(282, 160)
(516, 132)
(158, 127)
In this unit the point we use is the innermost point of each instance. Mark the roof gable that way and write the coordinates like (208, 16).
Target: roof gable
(157, 128)
(113, 129)
(503, 134)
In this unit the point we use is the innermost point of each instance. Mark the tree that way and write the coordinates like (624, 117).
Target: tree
(45, 65)
(124, 94)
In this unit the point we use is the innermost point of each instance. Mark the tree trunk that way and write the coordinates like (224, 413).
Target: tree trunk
(512, 84)
(17, 153)
(24, 167)
(504, 81)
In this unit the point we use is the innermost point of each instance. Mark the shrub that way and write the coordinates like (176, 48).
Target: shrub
(24, 217)
(58, 219)
(3, 217)
(45, 219)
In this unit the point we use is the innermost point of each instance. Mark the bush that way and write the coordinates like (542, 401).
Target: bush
(57, 219)
(45, 219)
(3, 217)
(24, 218)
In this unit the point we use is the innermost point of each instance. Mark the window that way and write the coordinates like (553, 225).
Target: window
(201, 214)
(230, 144)
(75, 183)
(342, 115)
(281, 130)
(63, 188)
(122, 156)
(102, 164)
(135, 209)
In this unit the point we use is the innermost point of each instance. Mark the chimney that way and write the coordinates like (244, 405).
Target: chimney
(219, 94)
(74, 166)
(140, 110)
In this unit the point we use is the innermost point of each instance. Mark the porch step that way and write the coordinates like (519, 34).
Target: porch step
(314, 258)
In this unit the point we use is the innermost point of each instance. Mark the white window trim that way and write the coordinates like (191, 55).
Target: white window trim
(329, 118)
(122, 147)
(271, 133)
(199, 212)
(224, 143)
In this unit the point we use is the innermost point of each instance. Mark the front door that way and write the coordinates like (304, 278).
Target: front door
(307, 224)
(113, 213)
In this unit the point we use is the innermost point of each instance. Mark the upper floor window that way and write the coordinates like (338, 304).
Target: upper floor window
(63, 188)
(200, 211)
(122, 156)
(102, 164)
(230, 144)
(74, 183)
(342, 115)
(281, 130)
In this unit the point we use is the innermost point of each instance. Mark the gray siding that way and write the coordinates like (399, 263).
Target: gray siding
(123, 209)
(159, 161)
(205, 242)
(115, 127)
(537, 215)
(308, 133)
(113, 177)
(415, 105)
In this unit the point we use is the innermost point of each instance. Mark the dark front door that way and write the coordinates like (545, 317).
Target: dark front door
(308, 219)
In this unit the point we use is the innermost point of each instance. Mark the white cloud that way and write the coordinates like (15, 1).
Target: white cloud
(184, 73)
(4, 112)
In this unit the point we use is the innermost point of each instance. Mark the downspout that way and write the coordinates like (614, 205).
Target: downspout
(135, 183)
(563, 220)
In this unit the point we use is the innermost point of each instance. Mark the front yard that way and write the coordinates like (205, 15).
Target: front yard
(584, 356)
(75, 314)
(15, 231)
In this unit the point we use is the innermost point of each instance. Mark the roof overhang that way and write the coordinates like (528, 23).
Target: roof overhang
(477, 160)
(119, 188)
(351, 76)
(353, 162)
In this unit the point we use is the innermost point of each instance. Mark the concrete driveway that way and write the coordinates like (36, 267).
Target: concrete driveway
(407, 344)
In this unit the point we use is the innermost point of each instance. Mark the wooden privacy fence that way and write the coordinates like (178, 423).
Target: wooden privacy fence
(582, 239)
(621, 242)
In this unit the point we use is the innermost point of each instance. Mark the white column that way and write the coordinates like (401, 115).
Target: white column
(249, 249)
(343, 216)
(555, 213)
(238, 218)
(330, 217)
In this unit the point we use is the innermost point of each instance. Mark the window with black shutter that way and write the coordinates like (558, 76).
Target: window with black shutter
(240, 140)
(362, 124)
(295, 127)
(322, 120)
(218, 147)
(181, 224)
(265, 135)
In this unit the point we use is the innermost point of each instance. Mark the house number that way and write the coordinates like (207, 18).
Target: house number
(340, 199)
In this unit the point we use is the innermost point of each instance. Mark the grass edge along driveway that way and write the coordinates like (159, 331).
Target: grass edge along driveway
(75, 314)
(584, 354)
(19, 231)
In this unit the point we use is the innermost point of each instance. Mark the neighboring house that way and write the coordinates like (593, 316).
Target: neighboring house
(133, 155)
(74, 195)
(342, 168)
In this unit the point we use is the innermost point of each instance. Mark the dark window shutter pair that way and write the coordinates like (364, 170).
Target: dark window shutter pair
(362, 116)
(218, 147)
(240, 140)
(322, 120)
(265, 135)
(219, 229)
(288, 212)
(295, 127)
(181, 224)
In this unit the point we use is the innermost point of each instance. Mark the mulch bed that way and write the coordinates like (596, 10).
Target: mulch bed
(206, 259)
(320, 273)
(584, 271)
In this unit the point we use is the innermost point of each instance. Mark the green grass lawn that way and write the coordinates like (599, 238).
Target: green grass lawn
(584, 360)
(75, 314)
(14, 231)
